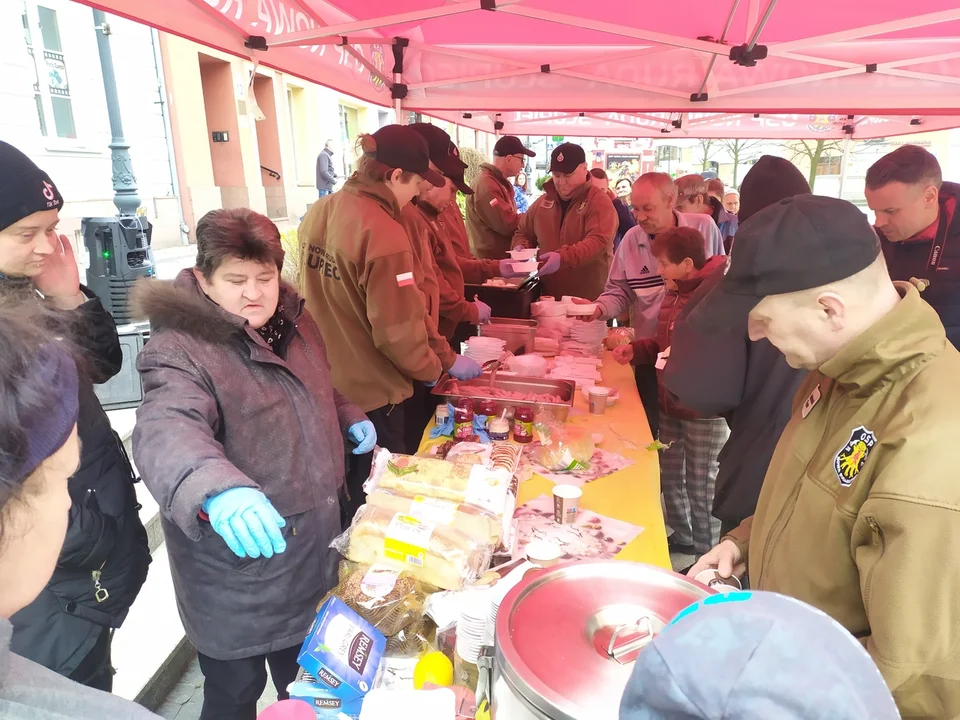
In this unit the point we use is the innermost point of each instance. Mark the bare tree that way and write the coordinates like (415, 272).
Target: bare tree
(814, 151)
(740, 151)
(706, 152)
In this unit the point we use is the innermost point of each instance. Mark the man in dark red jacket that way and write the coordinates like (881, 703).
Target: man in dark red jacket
(688, 466)
(919, 227)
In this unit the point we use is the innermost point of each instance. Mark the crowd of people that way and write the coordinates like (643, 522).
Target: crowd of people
(796, 364)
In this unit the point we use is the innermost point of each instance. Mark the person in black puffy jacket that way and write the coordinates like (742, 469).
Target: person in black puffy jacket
(69, 626)
(748, 383)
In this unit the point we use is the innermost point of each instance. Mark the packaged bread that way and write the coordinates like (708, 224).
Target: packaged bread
(389, 599)
(420, 476)
(471, 520)
(438, 555)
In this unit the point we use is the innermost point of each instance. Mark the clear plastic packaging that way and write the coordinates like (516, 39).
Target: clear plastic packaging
(435, 554)
(474, 521)
(564, 448)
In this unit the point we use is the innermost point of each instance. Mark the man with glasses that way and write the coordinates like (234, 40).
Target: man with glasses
(492, 217)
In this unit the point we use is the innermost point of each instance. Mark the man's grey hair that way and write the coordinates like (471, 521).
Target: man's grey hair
(329, 143)
(661, 181)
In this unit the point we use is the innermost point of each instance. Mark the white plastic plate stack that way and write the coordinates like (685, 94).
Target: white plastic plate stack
(472, 627)
(484, 349)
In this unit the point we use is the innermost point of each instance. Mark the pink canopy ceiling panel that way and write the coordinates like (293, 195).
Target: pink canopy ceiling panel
(607, 67)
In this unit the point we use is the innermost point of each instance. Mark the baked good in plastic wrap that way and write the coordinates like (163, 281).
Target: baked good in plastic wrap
(619, 336)
(564, 448)
(435, 554)
(458, 482)
(471, 520)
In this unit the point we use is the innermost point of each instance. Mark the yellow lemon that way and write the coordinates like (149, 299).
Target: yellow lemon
(434, 667)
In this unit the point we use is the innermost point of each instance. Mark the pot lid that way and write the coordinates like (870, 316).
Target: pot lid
(567, 636)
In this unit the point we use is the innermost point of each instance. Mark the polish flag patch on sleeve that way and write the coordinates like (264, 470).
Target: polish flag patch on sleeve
(494, 202)
(404, 279)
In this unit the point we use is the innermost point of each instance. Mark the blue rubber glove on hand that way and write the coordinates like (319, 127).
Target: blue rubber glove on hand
(507, 271)
(483, 311)
(465, 368)
(549, 263)
(364, 434)
(247, 521)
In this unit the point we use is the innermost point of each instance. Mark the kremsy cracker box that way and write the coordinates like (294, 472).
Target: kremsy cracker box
(342, 652)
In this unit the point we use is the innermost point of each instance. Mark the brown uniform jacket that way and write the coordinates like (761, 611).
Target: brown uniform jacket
(859, 514)
(583, 236)
(357, 277)
(492, 217)
(427, 277)
(455, 308)
(458, 231)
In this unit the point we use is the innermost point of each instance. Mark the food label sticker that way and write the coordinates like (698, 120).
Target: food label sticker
(433, 510)
(379, 581)
(407, 539)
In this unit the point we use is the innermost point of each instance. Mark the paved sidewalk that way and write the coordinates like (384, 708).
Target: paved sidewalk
(186, 699)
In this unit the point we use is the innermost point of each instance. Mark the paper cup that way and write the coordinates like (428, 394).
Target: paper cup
(597, 397)
(566, 503)
(543, 553)
(711, 578)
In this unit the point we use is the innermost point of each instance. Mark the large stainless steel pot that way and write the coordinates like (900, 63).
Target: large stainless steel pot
(566, 637)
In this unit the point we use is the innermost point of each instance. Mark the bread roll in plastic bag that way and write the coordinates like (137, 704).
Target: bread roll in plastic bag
(474, 521)
(439, 555)
(564, 448)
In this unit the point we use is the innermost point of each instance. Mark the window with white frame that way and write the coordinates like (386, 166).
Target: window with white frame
(52, 86)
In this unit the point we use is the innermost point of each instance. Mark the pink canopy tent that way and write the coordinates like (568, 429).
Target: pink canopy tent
(750, 68)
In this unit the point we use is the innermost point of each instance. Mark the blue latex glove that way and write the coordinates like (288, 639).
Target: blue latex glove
(480, 428)
(483, 311)
(507, 271)
(465, 368)
(247, 521)
(364, 434)
(549, 263)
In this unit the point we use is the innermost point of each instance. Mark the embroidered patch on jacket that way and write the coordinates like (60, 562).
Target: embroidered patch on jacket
(811, 402)
(850, 460)
(582, 207)
(404, 279)
(494, 202)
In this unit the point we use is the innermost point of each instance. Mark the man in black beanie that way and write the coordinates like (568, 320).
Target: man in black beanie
(749, 383)
(105, 555)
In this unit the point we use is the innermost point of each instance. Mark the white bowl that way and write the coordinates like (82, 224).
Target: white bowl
(526, 266)
(581, 310)
(527, 254)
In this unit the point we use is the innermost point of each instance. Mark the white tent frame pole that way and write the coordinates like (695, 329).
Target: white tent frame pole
(220, 18)
(723, 37)
(624, 84)
(306, 37)
(369, 66)
(612, 29)
(870, 30)
(843, 163)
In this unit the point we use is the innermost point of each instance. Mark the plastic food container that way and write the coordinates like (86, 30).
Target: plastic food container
(523, 254)
(526, 266)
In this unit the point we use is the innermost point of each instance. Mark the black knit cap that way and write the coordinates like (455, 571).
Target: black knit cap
(24, 188)
(770, 180)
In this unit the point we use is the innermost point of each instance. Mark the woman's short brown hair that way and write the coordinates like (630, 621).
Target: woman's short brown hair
(679, 243)
(238, 233)
(370, 167)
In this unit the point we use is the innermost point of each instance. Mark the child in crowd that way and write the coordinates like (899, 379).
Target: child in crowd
(688, 466)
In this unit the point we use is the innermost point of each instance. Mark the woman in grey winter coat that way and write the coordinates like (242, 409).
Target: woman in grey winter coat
(240, 438)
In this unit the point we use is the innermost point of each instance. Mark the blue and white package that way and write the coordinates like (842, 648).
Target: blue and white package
(342, 652)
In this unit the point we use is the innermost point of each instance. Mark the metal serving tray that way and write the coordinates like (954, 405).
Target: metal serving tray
(479, 389)
(519, 335)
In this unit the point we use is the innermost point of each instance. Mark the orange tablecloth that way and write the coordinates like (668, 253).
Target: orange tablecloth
(632, 494)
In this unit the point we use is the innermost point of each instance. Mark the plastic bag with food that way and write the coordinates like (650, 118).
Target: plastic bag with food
(619, 336)
(435, 554)
(564, 448)
(480, 524)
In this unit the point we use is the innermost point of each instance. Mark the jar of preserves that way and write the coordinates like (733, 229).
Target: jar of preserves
(463, 419)
(523, 424)
(487, 408)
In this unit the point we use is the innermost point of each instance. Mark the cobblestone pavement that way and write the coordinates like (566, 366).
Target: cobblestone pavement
(186, 699)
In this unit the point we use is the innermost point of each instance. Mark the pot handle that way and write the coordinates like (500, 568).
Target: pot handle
(630, 647)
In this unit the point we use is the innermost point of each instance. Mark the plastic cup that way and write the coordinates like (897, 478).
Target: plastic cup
(566, 503)
(598, 399)
(543, 553)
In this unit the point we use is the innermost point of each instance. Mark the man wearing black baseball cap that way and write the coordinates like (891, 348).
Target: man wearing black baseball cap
(492, 217)
(577, 221)
(860, 500)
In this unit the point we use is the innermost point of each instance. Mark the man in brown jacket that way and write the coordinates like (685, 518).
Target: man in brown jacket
(860, 508)
(575, 219)
(358, 281)
(492, 217)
